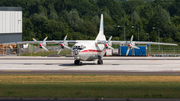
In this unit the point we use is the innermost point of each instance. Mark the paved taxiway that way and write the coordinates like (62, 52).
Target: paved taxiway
(112, 65)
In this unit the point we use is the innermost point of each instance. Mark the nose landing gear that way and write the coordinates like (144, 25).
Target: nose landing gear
(77, 62)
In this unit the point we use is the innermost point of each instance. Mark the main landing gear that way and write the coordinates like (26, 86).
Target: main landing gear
(100, 61)
(77, 62)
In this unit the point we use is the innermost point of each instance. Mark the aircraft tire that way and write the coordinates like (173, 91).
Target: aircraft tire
(100, 61)
(76, 62)
(80, 63)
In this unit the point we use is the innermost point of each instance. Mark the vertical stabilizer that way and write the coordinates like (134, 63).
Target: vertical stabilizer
(101, 35)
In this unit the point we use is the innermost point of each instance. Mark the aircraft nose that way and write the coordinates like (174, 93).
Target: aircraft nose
(76, 52)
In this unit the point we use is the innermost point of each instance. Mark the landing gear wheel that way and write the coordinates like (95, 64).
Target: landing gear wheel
(100, 61)
(80, 64)
(77, 62)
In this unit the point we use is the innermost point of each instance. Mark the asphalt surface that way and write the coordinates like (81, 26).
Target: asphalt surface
(111, 66)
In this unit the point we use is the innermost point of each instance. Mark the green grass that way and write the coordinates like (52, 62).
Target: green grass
(109, 86)
(96, 89)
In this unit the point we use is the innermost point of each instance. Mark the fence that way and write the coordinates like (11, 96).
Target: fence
(163, 51)
(53, 50)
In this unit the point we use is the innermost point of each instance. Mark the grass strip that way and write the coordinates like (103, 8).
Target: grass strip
(111, 86)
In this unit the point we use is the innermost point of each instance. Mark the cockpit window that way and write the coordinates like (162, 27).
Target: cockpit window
(79, 47)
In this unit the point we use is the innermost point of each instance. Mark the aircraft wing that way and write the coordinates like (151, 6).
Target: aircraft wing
(137, 42)
(113, 42)
(48, 42)
(143, 42)
(98, 42)
(23, 42)
(155, 43)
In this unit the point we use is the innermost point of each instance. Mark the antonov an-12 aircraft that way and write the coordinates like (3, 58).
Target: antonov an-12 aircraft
(90, 50)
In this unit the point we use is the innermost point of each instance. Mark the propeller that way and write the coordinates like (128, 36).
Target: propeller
(131, 45)
(107, 46)
(64, 45)
(42, 44)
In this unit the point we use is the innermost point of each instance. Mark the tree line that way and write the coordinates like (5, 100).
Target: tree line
(80, 19)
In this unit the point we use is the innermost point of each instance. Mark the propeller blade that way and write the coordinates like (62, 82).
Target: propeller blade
(45, 48)
(34, 39)
(67, 47)
(103, 51)
(45, 38)
(127, 52)
(65, 38)
(59, 50)
(135, 47)
(131, 39)
(109, 39)
(36, 50)
(110, 47)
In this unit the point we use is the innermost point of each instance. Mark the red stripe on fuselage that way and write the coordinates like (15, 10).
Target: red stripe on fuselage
(84, 51)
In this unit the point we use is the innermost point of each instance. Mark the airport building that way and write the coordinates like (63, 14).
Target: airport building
(10, 24)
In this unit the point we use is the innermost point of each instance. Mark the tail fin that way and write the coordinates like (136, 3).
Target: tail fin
(101, 35)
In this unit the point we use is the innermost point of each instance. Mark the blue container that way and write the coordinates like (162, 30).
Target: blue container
(124, 50)
(141, 51)
(137, 52)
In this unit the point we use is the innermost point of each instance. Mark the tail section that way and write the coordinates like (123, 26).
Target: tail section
(101, 35)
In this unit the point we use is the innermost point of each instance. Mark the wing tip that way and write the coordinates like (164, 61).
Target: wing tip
(177, 45)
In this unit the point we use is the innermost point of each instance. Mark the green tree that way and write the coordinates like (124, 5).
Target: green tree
(74, 19)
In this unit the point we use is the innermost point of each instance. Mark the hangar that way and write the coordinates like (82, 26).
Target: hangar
(10, 24)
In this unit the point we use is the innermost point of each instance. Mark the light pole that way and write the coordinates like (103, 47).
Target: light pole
(138, 30)
(124, 31)
(158, 35)
(148, 36)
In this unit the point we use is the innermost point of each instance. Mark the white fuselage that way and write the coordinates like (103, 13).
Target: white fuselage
(87, 51)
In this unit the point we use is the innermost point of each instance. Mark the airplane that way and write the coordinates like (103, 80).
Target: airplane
(90, 50)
